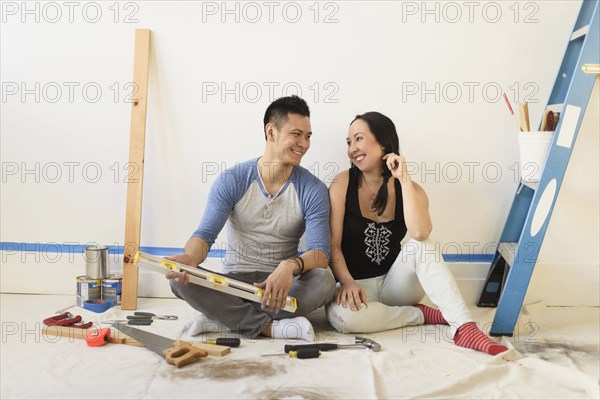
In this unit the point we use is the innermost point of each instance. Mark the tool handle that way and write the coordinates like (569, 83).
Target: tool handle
(138, 317)
(182, 354)
(231, 342)
(306, 353)
(140, 314)
(139, 321)
(524, 114)
(319, 346)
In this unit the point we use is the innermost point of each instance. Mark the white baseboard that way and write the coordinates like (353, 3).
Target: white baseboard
(552, 284)
(561, 285)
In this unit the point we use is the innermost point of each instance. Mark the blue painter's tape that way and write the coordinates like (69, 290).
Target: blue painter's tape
(468, 258)
(98, 306)
(165, 251)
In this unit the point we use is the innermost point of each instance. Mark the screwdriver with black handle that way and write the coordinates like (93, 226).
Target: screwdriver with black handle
(320, 346)
(300, 353)
(231, 342)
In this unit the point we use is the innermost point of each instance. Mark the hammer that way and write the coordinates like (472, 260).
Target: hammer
(368, 343)
(359, 342)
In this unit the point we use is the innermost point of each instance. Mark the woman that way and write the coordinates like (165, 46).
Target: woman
(373, 205)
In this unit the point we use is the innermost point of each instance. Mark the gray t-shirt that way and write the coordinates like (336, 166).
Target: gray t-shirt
(261, 229)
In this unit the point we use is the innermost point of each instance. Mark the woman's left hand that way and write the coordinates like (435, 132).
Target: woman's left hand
(397, 165)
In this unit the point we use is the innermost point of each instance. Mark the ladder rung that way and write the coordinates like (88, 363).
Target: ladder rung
(507, 251)
(555, 107)
(580, 32)
(533, 185)
(591, 68)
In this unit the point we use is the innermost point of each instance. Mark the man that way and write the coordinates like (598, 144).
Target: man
(268, 204)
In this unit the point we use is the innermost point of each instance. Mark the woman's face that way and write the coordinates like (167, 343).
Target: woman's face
(363, 149)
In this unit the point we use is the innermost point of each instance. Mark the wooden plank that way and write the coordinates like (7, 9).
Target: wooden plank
(137, 141)
(212, 349)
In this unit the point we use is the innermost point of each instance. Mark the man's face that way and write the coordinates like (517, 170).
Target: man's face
(292, 140)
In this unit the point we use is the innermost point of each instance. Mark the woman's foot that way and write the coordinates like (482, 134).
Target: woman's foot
(469, 336)
(432, 316)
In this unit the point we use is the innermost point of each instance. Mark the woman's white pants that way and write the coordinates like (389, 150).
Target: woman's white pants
(418, 270)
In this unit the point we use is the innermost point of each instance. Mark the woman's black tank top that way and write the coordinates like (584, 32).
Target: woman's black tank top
(370, 248)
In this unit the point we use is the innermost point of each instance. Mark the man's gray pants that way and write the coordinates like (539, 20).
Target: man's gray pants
(313, 289)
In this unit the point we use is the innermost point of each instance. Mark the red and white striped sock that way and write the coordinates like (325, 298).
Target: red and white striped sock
(469, 336)
(432, 315)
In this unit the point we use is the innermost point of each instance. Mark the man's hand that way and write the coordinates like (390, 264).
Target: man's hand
(277, 285)
(351, 293)
(180, 277)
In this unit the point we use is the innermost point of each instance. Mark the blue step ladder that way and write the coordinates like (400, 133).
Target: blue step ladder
(525, 228)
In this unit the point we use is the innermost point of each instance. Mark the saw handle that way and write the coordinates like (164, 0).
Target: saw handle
(182, 354)
(318, 346)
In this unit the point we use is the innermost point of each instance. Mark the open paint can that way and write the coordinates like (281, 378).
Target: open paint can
(96, 261)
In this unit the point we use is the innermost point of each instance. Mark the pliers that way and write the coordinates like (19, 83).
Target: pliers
(143, 318)
(149, 315)
(67, 319)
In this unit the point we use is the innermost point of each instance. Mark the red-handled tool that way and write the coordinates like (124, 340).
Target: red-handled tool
(66, 319)
(97, 337)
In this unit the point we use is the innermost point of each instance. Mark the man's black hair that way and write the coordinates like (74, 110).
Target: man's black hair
(277, 112)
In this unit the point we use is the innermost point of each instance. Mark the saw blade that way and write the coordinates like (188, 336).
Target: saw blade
(152, 341)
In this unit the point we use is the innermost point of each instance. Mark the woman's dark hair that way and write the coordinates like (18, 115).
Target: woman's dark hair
(385, 133)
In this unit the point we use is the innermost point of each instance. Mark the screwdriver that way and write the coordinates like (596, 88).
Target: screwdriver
(319, 346)
(301, 353)
(231, 342)
(325, 346)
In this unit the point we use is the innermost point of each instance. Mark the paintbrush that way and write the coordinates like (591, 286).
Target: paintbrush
(511, 111)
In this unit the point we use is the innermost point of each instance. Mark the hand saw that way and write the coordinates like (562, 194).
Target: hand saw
(175, 352)
(208, 279)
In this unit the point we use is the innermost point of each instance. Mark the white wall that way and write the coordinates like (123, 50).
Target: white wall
(65, 114)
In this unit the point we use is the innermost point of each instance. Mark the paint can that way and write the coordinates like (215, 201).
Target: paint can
(111, 288)
(87, 289)
(96, 261)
